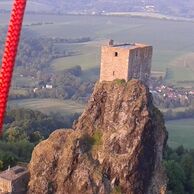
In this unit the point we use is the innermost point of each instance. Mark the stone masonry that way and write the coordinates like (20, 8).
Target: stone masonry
(126, 61)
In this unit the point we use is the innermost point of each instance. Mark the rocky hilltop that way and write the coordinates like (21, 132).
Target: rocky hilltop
(115, 147)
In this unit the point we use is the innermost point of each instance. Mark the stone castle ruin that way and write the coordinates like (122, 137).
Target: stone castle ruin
(126, 61)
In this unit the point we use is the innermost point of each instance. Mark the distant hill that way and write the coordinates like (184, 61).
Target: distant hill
(170, 7)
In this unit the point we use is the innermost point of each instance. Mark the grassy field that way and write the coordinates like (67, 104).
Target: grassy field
(181, 132)
(18, 91)
(47, 106)
(87, 57)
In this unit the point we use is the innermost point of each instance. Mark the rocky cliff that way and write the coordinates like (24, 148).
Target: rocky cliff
(115, 147)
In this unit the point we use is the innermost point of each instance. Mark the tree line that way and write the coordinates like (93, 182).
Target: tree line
(173, 115)
(179, 164)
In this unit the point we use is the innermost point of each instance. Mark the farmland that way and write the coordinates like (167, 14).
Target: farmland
(181, 132)
(47, 106)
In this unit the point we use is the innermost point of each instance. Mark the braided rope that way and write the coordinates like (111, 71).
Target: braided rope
(9, 55)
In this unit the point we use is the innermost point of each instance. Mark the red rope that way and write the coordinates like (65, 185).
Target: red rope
(9, 55)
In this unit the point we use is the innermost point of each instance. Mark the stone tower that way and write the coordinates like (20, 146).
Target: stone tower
(126, 61)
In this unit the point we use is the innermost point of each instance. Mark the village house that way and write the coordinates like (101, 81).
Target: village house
(49, 86)
(14, 180)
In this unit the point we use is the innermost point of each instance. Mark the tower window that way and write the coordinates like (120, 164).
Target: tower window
(116, 54)
(113, 73)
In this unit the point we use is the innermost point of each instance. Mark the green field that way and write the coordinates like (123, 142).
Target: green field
(181, 132)
(87, 57)
(65, 107)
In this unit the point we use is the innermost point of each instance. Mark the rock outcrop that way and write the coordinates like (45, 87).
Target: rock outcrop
(115, 147)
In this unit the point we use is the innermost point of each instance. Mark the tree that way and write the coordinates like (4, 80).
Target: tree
(187, 164)
(16, 134)
(176, 177)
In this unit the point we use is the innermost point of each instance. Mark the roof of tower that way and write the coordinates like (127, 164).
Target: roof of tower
(127, 45)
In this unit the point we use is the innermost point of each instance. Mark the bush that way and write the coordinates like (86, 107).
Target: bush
(120, 81)
(97, 138)
(117, 190)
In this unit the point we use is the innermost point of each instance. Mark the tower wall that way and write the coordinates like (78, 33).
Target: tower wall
(5, 185)
(140, 64)
(114, 67)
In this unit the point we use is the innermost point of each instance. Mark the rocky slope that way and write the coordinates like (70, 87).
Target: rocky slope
(115, 147)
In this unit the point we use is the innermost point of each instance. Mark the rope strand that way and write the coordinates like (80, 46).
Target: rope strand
(9, 55)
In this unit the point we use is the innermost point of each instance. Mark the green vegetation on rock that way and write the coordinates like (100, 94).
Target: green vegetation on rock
(97, 138)
(120, 81)
(117, 190)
